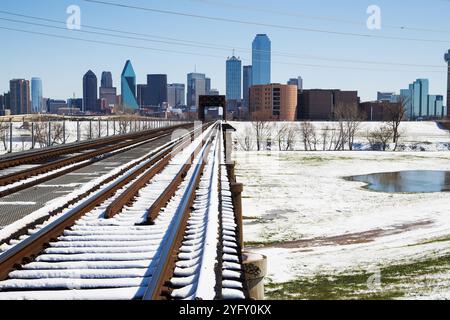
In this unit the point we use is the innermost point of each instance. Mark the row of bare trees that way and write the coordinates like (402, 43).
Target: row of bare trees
(336, 136)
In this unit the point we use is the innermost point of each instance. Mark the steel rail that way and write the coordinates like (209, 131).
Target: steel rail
(93, 156)
(29, 248)
(157, 288)
(52, 152)
(116, 206)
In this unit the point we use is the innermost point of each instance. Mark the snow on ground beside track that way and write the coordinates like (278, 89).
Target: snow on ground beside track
(314, 222)
(415, 136)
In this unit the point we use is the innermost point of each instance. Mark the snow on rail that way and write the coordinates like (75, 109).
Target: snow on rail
(196, 274)
(103, 258)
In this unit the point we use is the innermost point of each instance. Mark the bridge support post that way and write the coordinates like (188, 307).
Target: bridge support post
(236, 194)
(255, 269)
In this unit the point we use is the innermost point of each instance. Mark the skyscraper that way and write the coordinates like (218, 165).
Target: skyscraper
(261, 59)
(447, 59)
(20, 101)
(233, 78)
(420, 90)
(107, 91)
(207, 85)
(157, 89)
(246, 84)
(176, 94)
(196, 86)
(106, 81)
(128, 84)
(142, 95)
(90, 92)
(36, 95)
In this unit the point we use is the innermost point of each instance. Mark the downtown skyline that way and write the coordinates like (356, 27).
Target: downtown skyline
(61, 73)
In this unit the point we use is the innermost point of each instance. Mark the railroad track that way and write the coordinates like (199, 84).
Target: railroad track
(37, 155)
(76, 157)
(164, 229)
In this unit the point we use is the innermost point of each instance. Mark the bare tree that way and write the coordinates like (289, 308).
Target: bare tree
(4, 133)
(291, 136)
(396, 113)
(380, 137)
(41, 134)
(349, 118)
(280, 135)
(245, 140)
(123, 126)
(309, 135)
(262, 131)
(57, 134)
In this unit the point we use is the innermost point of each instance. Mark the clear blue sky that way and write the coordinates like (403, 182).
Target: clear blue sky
(61, 63)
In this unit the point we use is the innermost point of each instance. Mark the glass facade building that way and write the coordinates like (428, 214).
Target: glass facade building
(157, 89)
(128, 87)
(106, 81)
(20, 96)
(90, 92)
(196, 86)
(261, 59)
(233, 78)
(419, 103)
(36, 95)
(246, 84)
(176, 94)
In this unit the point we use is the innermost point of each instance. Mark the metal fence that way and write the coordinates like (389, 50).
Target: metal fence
(28, 135)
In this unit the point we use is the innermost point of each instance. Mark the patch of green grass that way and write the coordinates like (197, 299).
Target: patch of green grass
(261, 244)
(436, 240)
(354, 285)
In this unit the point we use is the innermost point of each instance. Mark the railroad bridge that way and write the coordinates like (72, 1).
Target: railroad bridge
(137, 216)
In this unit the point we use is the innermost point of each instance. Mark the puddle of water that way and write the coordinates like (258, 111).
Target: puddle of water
(416, 181)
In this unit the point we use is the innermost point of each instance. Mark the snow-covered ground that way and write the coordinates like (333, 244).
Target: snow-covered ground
(320, 232)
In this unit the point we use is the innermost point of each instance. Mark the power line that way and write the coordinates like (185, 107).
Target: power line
(261, 24)
(319, 18)
(175, 41)
(197, 54)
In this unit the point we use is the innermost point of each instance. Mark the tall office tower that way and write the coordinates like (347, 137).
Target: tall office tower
(196, 86)
(233, 78)
(246, 84)
(416, 100)
(142, 95)
(106, 81)
(20, 102)
(207, 85)
(36, 95)
(128, 87)
(435, 104)
(176, 94)
(420, 90)
(107, 91)
(157, 89)
(296, 82)
(261, 59)
(447, 59)
(90, 92)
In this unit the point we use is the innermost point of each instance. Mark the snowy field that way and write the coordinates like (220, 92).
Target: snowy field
(328, 238)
